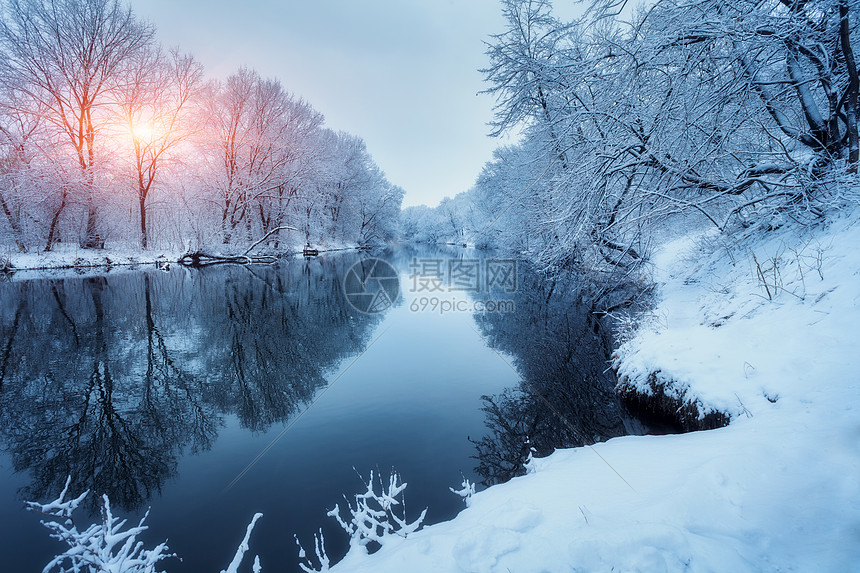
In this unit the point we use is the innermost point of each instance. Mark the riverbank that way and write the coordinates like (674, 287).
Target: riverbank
(71, 260)
(764, 332)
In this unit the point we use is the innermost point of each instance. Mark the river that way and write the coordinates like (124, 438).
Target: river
(208, 395)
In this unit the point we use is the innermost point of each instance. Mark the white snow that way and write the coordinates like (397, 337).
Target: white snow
(106, 546)
(765, 330)
(71, 261)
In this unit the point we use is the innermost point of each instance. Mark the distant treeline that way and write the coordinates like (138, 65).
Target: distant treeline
(716, 114)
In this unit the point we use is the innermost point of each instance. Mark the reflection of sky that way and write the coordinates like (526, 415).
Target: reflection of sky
(408, 400)
(402, 75)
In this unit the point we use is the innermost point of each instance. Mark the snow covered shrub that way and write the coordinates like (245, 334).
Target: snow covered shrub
(319, 549)
(102, 546)
(374, 516)
(787, 269)
(371, 520)
(466, 491)
(530, 460)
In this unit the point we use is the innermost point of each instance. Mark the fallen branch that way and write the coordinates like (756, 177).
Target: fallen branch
(269, 234)
(199, 259)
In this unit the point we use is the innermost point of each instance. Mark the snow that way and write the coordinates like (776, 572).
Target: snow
(243, 548)
(71, 261)
(763, 330)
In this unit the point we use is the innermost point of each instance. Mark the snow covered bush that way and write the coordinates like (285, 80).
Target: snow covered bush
(530, 460)
(374, 516)
(372, 519)
(103, 546)
(466, 491)
(319, 550)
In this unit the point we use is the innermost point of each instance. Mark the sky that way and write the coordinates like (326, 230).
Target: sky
(401, 74)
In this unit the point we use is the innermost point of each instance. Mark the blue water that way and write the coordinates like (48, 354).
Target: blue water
(209, 395)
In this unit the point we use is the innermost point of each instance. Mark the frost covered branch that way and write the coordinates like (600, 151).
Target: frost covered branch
(243, 547)
(373, 517)
(466, 491)
(102, 546)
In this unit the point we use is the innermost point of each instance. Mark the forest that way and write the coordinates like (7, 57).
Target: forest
(710, 114)
(680, 193)
(107, 138)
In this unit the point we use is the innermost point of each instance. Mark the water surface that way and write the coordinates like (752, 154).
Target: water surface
(209, 395)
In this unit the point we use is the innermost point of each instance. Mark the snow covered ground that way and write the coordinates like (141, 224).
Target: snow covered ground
(70, 260)
(56, 263)
(766, 331)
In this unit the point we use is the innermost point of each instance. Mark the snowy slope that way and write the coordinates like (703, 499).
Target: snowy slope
(767, 331)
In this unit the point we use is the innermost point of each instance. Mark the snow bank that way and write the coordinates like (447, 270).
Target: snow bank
(68, 260)
(58, 262)
(765, 331)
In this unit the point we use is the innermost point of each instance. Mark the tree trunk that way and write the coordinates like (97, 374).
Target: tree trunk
(143, 237)
(54, 220)
(16, 226)
(92, 239)
(853, 84)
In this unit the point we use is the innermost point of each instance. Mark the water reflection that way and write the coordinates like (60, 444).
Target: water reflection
(566, 397)
(110, 379)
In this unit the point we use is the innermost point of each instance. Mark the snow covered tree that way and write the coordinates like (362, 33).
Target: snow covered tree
(258, 133)
(727, 112)
(18, 130)
(153, 105)
(69, 57)
(347, 197)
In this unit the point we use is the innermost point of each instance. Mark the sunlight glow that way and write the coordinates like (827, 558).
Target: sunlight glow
(143, 131)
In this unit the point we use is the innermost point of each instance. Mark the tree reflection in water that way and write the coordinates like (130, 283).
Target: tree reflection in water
(110, 379)
(566, 397)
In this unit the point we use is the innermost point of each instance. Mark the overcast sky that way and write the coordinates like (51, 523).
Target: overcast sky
(402, 74)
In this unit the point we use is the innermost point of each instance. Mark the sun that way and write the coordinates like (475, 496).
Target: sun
(142, 131)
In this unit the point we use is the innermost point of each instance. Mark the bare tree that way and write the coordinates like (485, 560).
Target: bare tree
(259, 133)
(154, 107)
(70, 56)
